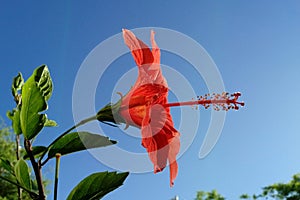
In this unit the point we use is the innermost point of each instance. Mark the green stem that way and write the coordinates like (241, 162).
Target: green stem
(18, 158)
(63, 134)
(36, 168)
(17, 147)
(32, 194)
(58, 155)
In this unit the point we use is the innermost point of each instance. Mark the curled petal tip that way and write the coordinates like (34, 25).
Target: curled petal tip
(157, 169)
(171, 184)
(127, 126)
(125, 31)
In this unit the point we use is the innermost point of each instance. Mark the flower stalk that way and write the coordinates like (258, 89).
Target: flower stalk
(57, 156)
(63, 134)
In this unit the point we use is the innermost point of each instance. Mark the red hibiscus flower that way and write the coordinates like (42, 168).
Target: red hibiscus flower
(146, 106)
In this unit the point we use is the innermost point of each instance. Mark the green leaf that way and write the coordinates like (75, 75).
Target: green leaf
(16, 124)
(17, 84)
(22, 174)
(37, 152)
(34, 185)
(35, 91)
(78, 141)
(44, 82)
(10, 114)
(32, 193)
(50, 123)
(7, 165)
(14, 116)
(97, 185)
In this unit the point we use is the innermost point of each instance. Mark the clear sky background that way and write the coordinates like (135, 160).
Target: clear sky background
(255, 44)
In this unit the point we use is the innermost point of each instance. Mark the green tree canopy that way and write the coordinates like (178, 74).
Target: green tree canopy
(8, 152)
(276, 191)
(213, 195)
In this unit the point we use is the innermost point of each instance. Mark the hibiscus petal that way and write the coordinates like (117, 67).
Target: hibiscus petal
(174, 150)
(155, 139)
(157, 76)
(158, 155)
(139, 50)
(144, 106)
(155, 49)
(147, 141)
(147, 60)
(161, 139)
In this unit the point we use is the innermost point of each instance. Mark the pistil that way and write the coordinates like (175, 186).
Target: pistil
(223, 101)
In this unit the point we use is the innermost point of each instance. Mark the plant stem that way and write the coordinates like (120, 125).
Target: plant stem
(63, 134)
(32, 194)
(36, 168)
(58, 155)
(17, 147)
(18, 158)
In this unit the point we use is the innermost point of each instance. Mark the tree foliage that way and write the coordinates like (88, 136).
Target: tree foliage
(287, 191)
(213, 195)
(276, 191)
(8, 154)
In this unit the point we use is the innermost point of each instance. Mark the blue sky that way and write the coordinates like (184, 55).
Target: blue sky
(255, 45)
